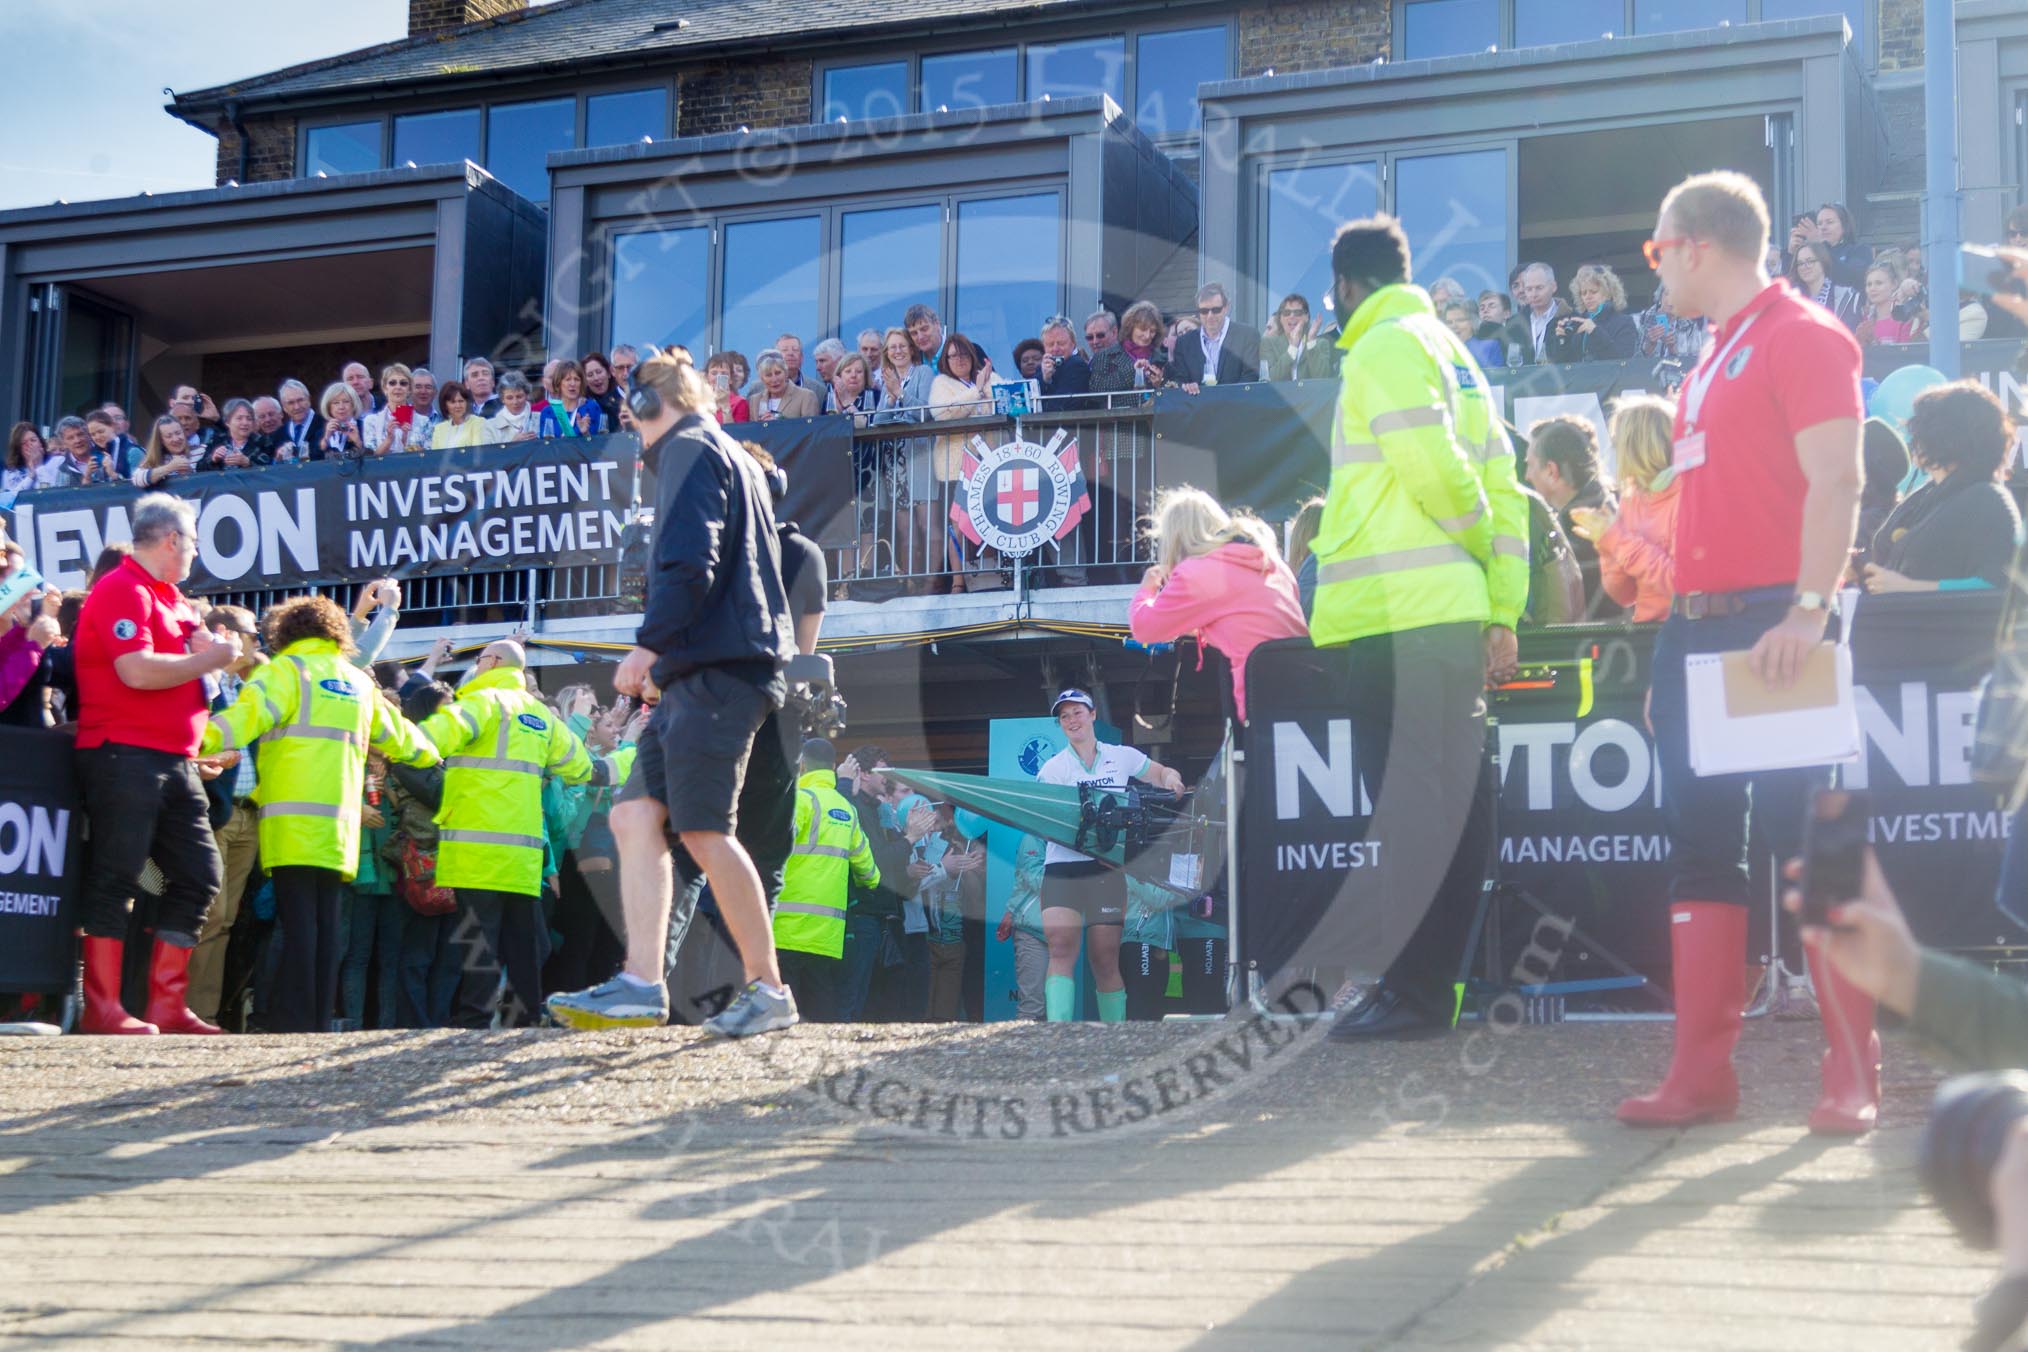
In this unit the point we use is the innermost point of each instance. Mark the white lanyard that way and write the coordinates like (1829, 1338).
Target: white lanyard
(1699, 384)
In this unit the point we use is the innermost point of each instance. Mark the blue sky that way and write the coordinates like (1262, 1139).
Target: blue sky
(82, 101)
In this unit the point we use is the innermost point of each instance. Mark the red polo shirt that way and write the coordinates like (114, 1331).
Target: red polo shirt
(129, 611)
(1784, 365)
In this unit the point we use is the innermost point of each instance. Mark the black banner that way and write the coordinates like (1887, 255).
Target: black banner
(40, 864)
(1580, 804)
(488, 509)
(816, 454)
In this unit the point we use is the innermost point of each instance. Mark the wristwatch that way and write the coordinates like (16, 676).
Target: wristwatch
(1811, 600)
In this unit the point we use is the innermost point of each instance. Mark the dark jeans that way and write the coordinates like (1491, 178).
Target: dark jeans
(1707, 818)
(143, 805)
(814, 979)
(373, 923)
(588, 925)
(862, 955)
(429, 969)
(306, 978)
(1422, 692)
(505, 931)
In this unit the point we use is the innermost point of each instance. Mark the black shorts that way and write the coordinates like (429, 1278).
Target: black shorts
(1096, 892)
(692, 755)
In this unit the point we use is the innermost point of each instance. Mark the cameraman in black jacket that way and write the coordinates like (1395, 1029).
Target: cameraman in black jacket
(714, 638)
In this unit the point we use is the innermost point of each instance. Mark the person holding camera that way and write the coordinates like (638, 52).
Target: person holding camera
(1601, 330)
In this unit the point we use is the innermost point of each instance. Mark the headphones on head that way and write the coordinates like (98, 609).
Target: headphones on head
(642, 401)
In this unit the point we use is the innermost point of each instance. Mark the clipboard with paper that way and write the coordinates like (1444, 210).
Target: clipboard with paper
(1739, 726)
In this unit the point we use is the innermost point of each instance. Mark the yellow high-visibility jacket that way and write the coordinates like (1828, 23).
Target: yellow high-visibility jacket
(810, 913)
(1424, 523)
(314, 715)
(498, 741)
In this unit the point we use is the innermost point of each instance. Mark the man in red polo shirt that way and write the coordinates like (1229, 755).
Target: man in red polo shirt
(1767, 452)
(142, 657)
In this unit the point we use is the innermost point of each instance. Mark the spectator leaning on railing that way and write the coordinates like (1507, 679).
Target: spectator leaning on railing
(1218, 353)
(459, 426)
(481, 383)
(1291, 349)
(27, 453)
(1064, 369)
(301, 436)
(1601, 329)
(824, 356)
(732, 406)
(1957, 532)
(142, 657)
(344, 427)
(516, 419)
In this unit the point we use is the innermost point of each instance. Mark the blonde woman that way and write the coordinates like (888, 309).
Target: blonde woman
(1219, 576)
(1637, 545)
(168, 454)
(344, 431)
(1601, 330)
(389, 431)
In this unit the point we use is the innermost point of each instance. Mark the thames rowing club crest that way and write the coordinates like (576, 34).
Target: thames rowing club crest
(1020, 496)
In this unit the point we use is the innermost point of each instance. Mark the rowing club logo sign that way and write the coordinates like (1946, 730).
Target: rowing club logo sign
(1021, 496)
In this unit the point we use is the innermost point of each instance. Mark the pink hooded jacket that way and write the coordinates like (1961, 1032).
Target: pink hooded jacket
(1233, 599)
(1636, 557)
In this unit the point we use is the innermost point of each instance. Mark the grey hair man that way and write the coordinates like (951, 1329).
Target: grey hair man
(142, 655)
(1536, 322)
(479, 383)
(825, 356)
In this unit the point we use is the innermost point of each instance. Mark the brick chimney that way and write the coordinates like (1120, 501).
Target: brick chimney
(440, 16)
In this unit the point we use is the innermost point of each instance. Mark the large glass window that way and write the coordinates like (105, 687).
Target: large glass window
(661, 288)
(961, 80)
(437, 138)
(1541, 23)
(1168, 67)
(1674, 16)
(351, 148)
(1454, 208)
(1304, 208)
(770, 282)
(1009, 277)
(866, 91)
(887, 261)
(1448, 27)
(1065, 70)
(623, 118)
(519, 137)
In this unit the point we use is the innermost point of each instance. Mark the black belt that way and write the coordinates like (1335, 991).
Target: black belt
(1715, 605)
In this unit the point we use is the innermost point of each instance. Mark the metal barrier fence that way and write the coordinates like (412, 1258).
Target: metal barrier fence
(907, 480)
(518, 596)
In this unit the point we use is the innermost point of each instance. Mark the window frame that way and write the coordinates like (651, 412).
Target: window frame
(1129, 34)
(830, 211)
(485, 104)
(1865, 39)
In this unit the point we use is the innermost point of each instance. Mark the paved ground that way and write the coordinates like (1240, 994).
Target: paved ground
(895, 1187)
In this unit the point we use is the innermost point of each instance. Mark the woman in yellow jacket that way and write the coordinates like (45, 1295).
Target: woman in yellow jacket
(314, 715)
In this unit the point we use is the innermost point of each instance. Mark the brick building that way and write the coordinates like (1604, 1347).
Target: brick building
(1501, 130)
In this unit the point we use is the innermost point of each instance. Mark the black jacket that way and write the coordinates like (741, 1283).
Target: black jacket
(715, 593)
(890, 855)
(1614, 337)
(1962, 527)
(312, 447)
(1521, 348)
(1073, 376)
(1238, 358)
(1598, 605)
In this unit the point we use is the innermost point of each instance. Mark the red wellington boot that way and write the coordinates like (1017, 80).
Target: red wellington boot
(1850, 1102)
(1707, 946)
(103, 1012)
(169, 992)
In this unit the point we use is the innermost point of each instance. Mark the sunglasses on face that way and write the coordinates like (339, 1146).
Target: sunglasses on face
(1206, 311)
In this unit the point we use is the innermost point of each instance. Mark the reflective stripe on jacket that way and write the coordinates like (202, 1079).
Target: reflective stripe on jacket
(829, 848)
(1423, 524)
(498, 741)
(314, 716)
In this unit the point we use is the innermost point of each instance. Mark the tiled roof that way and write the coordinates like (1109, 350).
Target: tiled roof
(587, 31)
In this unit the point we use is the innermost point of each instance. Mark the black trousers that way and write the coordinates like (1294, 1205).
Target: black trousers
(504, 932)
(306, 983)
(145, 804)
(1419, 729)
(814, 980)
(588, 924)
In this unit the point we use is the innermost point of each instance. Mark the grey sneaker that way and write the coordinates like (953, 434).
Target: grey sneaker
(752, 1011)
(611, 1004)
